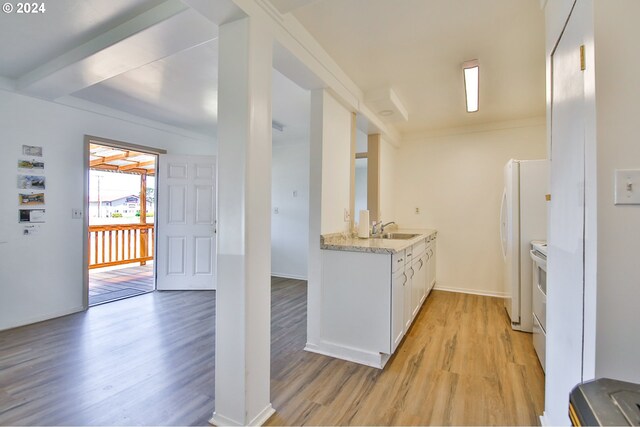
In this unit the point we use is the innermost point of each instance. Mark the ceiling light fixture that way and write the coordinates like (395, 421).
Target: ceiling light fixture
(471, 71)
(386, 113)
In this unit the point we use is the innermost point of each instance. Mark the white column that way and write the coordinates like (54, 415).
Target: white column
(243, 297)
(314, 263)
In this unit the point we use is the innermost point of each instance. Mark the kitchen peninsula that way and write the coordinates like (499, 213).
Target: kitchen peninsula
(372, 289)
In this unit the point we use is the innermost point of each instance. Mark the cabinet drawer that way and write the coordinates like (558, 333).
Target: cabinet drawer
(418, 249)
(397, 261)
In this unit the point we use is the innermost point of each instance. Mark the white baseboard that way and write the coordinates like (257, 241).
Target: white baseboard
(484, 293)
(543, 420)
(48, 316)
(258, 420)
(263, 416)
(350, 354)
(289, 276)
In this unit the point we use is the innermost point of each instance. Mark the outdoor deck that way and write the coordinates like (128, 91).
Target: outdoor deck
(112, 284)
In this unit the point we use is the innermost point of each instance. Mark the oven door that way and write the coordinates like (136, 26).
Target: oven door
(540, 288)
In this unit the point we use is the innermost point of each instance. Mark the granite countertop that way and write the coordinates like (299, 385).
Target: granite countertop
(340, 242)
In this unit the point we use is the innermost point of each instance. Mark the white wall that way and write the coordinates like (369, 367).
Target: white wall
(618, 270)
(387, 193)
(41, 276)
(290, 226)
(336, 166)
(361, 187)
(329, 192)
(456, 181)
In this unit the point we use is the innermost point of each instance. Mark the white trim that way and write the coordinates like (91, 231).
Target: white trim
(38, 319)
(263, 416)
(350, 354)
(288, 276)
(258, 420)
(484, 127)
(471, 291)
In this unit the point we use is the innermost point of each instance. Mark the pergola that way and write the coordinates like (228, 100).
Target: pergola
(119, 160)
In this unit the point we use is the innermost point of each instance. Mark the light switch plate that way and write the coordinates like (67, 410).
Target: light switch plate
(627, 187)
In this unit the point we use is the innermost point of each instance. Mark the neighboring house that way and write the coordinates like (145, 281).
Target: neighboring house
(126, 205)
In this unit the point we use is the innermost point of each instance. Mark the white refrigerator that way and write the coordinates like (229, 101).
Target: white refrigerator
(523, 218)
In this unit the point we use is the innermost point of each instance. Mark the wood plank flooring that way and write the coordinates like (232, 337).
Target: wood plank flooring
(150, 361)
(113, 284)
(460, 364)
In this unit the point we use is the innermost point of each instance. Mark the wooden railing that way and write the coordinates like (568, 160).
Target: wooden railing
(120, 244)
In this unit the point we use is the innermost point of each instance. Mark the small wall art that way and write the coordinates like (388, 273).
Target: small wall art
(32, 215)
(31, 199)
(32, 150)
(30, 164)
(29, 182)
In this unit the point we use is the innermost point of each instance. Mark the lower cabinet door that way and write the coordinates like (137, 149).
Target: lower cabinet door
(397, 308)
(408, 318)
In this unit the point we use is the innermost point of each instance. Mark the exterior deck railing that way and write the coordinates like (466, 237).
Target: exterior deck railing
(119, 244)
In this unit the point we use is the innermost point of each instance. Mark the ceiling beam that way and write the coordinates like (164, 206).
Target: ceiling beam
(162, 31)
(137, 165)
(106, 159)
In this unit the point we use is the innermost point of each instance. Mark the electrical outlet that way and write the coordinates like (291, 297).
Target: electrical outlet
(76, 213)
(417, 211)
(295, 193)
(276, 211)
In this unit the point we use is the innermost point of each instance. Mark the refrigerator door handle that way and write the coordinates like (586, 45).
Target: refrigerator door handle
(502, 223)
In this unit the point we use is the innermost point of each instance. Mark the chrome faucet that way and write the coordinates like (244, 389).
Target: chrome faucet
(382, 226)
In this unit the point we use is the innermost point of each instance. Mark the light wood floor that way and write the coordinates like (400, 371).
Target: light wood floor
(149, 360)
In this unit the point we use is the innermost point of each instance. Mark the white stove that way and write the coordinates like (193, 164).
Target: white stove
(539, 298)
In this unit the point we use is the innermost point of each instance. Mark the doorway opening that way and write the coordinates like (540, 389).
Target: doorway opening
(121, 229)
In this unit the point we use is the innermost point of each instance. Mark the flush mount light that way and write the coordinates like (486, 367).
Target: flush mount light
(471, 71)
(386, 113)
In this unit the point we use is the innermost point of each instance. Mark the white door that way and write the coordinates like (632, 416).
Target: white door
(565, 261)
(510, 228)
(186, 222)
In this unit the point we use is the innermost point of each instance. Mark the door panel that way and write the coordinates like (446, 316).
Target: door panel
(203, 255)
(177, 204)
(204, 204)
(176, 256)
(186, 223)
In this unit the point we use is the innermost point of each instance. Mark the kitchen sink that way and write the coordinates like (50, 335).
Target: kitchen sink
(398, 236)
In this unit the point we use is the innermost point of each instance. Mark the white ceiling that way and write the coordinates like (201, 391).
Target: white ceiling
(30, 40)
(415, 47)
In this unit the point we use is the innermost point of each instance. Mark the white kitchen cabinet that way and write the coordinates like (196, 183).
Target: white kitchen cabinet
(398, 285)
(369, 301)
(431, 265)
(419, 281)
